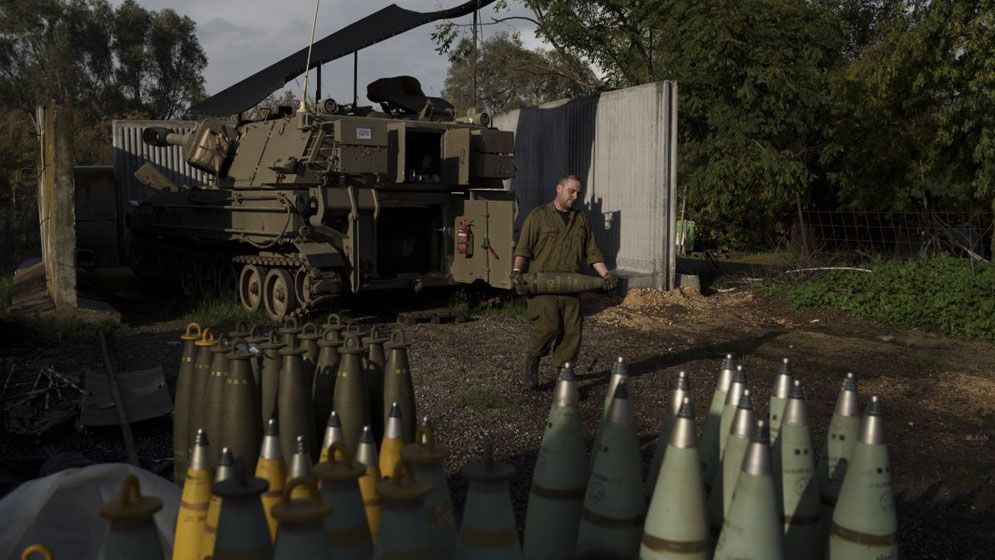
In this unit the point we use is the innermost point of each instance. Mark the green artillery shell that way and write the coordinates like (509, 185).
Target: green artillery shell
(269, 377)
(840, 439)
(132, 533)
(681, 390)
(614, 505)
(374, 365)
(560, 477)
(301, 534)
(736, 389)
(676, 526)
(404, 529)
(257, 337)
(425, 459)
(309, 337)
(351, 396)
(709, 449)
(561, 283)
(240, 428)
(619, 373)
(294, 403)
(198, 389)
(242, 530)
(799, 489)
(325, 372)
(740, 434)
(181, 408)
(865, 523)
(289, 331)
(779, 397)
(215, 396)
(398, 385)
(488, 529)
(346, 527)
(753, 529)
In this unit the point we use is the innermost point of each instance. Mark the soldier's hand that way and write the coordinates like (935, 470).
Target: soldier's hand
(518, 282)
(611, 281)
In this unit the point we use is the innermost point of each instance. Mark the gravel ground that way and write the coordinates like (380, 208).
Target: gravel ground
(937, 393)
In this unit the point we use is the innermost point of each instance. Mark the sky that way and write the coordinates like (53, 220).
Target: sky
(241, 37)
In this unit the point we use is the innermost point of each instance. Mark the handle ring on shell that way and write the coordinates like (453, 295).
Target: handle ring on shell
(291, 322)
(41, 549)
(398, 334)
(328, 320)
(313, 328)
(337, 449)
(304, 481)
(190, 327)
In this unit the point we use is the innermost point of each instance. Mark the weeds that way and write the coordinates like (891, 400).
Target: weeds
(954, 295)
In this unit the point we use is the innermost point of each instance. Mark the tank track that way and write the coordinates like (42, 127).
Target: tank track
(323, 285)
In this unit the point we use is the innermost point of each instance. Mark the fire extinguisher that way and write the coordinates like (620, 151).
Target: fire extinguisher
(464, 238)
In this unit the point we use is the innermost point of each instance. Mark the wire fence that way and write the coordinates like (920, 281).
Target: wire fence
(860, 234)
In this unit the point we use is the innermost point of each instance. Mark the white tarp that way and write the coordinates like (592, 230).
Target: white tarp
(61, 511)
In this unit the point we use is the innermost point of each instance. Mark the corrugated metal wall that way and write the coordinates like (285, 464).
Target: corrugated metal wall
(130, 153)
(624, 143)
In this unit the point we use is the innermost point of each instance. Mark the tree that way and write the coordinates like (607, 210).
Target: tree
(510, 76)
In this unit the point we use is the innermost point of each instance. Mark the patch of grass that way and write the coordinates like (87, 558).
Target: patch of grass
(177, 312)
(954, 295)
(483, 400)
(460, 301)
(514, 309)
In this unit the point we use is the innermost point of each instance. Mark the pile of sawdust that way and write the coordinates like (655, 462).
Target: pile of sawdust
(645, 309)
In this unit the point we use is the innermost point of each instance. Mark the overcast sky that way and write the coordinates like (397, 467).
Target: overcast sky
(241, 37)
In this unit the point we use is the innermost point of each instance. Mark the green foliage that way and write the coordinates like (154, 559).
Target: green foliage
(178, 312)
(955, 295)
(510, 76)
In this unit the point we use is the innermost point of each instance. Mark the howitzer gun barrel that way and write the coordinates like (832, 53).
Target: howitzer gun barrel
(162, 137)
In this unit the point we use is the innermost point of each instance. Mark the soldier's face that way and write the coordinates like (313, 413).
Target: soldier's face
(568, 193)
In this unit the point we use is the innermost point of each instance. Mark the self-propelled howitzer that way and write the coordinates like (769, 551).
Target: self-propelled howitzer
(305, 205)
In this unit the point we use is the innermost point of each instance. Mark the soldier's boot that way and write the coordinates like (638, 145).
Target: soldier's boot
(530, 379)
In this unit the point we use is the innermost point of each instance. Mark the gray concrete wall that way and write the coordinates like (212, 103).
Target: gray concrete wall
(624, 143)
(57, 204)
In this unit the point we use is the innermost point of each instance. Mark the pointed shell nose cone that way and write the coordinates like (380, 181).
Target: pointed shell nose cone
(394, 428)
(736, 387)
(682, 435)
(619, 368)
(782, 382)
(848, 403)
(366, 453)
(300, 462)
(226, 466)
(333, 420)
(872, 425)
(621, 407)
(757, 459)
(201, 449)
(744, 420)
(794, 410)
(271, 441)
(566, 388)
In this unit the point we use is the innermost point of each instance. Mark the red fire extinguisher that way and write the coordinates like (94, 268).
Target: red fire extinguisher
(464, 238)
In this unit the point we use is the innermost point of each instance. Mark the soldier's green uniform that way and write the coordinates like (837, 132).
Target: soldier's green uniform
(552, 244)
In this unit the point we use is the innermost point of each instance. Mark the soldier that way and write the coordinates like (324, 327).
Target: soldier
(556, 237)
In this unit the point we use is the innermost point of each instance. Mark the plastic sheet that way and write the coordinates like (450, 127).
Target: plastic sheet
(61, 511)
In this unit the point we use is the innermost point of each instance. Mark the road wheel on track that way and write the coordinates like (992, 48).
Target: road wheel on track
(189, 276)
(279, 294)
(227, 280)
(302, 284)
(208, 278)
(250, 286)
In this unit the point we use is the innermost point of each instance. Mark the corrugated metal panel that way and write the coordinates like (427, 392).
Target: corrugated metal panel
(624, 144)
(130, 153)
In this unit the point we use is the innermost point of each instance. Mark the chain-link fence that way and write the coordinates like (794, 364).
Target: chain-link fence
(894, 235)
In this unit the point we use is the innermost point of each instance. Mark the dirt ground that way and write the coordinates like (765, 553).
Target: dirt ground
(938, 392)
